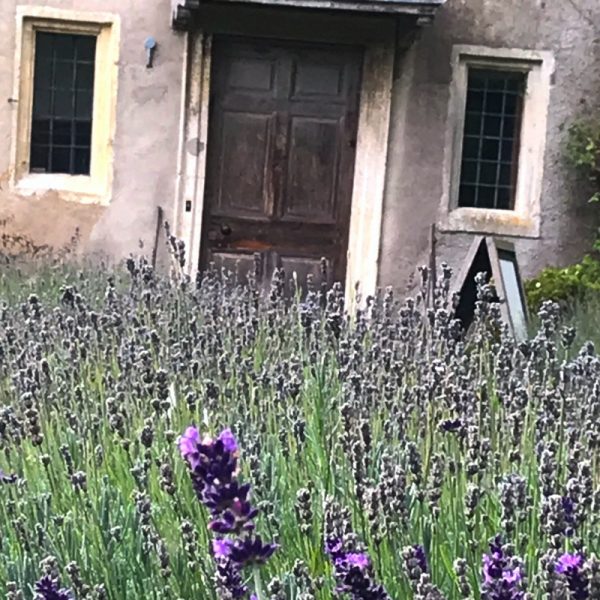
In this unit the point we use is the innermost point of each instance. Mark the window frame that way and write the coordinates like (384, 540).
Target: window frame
(63, 89)
(524, 219)
(484, 117)
(96, 187)
(493, 248)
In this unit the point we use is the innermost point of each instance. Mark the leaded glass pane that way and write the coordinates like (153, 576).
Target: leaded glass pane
(491, 138)
(63, 90)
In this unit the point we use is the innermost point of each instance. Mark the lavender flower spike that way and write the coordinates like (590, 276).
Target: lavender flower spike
(353, 573)
(415, 562)
(4, 478)
(229, 579)
(221, 548)
(571, 566)
(229, 441)
(48, 588)
(188, 446)
(213, 465)
(421, 558)
(502, 574)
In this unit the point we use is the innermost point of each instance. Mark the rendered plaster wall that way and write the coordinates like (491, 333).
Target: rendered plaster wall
(148, 114)
(145, 142)
(414, 186)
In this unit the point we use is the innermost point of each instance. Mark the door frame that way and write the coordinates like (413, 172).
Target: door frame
(379, 43)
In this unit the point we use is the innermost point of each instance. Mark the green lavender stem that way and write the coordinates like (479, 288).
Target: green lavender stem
(258, 589)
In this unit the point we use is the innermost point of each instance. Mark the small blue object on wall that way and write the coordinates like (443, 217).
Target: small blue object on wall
(150, 46)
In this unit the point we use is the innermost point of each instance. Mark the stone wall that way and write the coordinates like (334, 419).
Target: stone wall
(145, 143)
(571, 30)
(149, 112)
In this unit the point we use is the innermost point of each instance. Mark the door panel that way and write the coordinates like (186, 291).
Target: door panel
(280, 161)
(312, 170)
(244, 163)
(251, 74)
(304, 267)
(312, 79)
(241, 265)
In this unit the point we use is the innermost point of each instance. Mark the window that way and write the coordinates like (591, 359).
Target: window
(63, 92)
(495, 143)
(66, 88)
(516, 305)
(497, 259)
(491, 139)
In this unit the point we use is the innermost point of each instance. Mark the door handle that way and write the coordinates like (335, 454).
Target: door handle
(225, 229)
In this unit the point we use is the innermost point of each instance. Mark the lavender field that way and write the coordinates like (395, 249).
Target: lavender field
(164, 441)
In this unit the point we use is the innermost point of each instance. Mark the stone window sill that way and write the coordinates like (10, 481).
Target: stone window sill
(75, 188)
(490, 222)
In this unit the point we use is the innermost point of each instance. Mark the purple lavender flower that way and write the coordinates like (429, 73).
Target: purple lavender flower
(358, 559)
(221, 547)
(569, 511)
(231, 503)
(354, 573)
(188, 446)
(5, 478)
(250, 551)
(415, 561)
(229, 579)
(48, 588)
(571, 566)
(244, 552)
(213, 469)
(213, 466)
(334, 549)
(229, 441)
(503, 579)
(421, 558)
(451, 425)
(568, 562)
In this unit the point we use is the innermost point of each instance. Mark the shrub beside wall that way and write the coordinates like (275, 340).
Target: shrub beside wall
(579, 282)
(567, 286)
(583, 152)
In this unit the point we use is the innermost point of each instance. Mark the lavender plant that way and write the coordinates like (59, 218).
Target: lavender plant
(383, 449)
(213, 469)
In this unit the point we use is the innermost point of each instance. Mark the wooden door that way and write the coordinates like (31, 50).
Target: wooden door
(280, 162)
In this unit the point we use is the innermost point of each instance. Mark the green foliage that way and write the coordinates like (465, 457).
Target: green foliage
(583, 151)
(585, 318)
(578, 284)
(567, 285)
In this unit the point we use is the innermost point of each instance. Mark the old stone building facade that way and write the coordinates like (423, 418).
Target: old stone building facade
(298, 129)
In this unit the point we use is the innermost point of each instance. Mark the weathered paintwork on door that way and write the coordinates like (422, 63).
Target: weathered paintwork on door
(282, 135)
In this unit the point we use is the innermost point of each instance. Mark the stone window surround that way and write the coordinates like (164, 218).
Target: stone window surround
(524, 220)
(95, 188)
(370, 163)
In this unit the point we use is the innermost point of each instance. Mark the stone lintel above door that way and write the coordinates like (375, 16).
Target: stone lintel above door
(423, 11)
